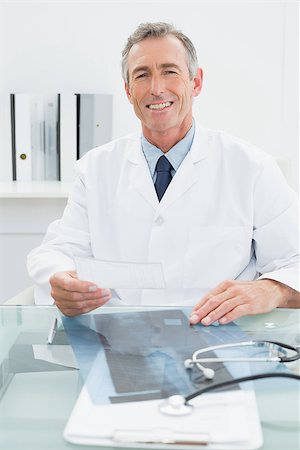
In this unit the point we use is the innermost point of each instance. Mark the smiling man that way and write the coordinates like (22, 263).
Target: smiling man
(214, 210)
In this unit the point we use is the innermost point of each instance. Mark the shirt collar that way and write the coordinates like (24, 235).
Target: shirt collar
(175, 155)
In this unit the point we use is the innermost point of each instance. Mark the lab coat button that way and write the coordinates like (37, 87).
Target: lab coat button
(159, 220)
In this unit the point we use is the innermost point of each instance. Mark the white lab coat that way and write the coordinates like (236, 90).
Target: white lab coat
(227, 214)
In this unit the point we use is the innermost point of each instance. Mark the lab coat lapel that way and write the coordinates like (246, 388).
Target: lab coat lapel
(139, 174)
(187, 174)
(189, 171)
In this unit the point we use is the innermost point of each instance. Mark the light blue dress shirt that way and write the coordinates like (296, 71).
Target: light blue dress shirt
(175, 155)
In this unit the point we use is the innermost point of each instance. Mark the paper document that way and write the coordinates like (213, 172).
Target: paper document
(120, 275)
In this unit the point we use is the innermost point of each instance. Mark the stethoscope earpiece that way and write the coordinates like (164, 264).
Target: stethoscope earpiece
(188, 363)
(207, 372)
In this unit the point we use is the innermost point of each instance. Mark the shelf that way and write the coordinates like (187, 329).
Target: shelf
(34, 189)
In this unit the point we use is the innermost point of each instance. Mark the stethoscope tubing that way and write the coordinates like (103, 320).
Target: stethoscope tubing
(227, 383)
(207, 360)
(282, 359)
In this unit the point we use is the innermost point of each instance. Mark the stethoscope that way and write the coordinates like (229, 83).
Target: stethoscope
(177, 405)
(278, 357)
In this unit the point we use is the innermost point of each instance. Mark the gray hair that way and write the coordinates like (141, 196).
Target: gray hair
(159, 30)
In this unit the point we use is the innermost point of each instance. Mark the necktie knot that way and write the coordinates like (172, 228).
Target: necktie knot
(164, 176)
(163, 165)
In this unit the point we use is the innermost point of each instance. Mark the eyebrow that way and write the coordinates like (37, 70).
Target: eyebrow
(168, 65)
(161, 66)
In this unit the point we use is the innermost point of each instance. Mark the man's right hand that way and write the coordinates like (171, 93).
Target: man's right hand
(73, 296)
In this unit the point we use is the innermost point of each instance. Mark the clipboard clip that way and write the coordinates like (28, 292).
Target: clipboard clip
(160, 436)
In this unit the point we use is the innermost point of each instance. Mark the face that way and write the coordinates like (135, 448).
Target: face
(160, 88)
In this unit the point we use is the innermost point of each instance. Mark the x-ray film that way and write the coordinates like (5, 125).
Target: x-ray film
(137, 356)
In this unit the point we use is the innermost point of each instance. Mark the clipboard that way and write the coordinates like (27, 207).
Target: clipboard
(219, 421)
(114, 411)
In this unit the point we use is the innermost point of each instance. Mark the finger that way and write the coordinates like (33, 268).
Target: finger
(239, 311)
(218, 313)
(216, 291)
(213, 309)
(68, 281)
(211, 301)
(80, 307)
(71, 297)
(214, 303)
(197, 313)
(71, 312)
(76, 298)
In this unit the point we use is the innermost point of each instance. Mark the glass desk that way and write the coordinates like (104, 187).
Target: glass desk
(37, 397)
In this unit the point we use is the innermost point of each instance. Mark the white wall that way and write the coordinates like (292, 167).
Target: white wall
(248, 51)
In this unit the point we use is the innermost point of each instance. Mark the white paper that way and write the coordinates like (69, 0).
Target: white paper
(229, 420)
(57, 354)
(120, 275)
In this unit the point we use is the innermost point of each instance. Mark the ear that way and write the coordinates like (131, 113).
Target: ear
(197, 82)
(128, 93)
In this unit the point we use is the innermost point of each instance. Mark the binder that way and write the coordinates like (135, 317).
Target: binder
(44, 137)
(68, 136)
(6, 156)
(36, 142)
(37, 138)
(95, 121)
(23, 137)
(53, 131)
(51, 145)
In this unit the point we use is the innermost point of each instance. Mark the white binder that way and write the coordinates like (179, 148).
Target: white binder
(23, 137)
(68, 136)
(95, 112)
(5, 139)
(37, 137)
(51, 138)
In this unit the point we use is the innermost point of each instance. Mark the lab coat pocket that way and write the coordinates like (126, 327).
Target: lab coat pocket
(213, 255)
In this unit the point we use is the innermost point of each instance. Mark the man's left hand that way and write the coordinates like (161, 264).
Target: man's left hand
(233, 299)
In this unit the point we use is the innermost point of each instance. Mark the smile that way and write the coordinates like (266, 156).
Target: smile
(160, 106)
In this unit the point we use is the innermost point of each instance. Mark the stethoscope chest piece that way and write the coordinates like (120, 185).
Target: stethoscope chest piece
(175, 406)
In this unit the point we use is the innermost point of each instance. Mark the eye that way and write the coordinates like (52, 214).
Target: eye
(141, 75)
(170, 72)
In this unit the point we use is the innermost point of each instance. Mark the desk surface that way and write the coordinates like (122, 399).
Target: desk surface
(36, 397)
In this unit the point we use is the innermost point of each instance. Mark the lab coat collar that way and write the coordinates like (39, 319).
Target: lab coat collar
(186, 175)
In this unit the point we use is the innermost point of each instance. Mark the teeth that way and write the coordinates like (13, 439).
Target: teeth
(160, 105)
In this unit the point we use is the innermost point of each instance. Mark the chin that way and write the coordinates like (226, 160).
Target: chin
(161, 126)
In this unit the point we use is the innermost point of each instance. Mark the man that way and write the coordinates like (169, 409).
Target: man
(226, 217)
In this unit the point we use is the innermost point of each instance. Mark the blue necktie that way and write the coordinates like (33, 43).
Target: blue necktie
(163, 169)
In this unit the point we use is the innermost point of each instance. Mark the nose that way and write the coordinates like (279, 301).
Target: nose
(157, 85)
